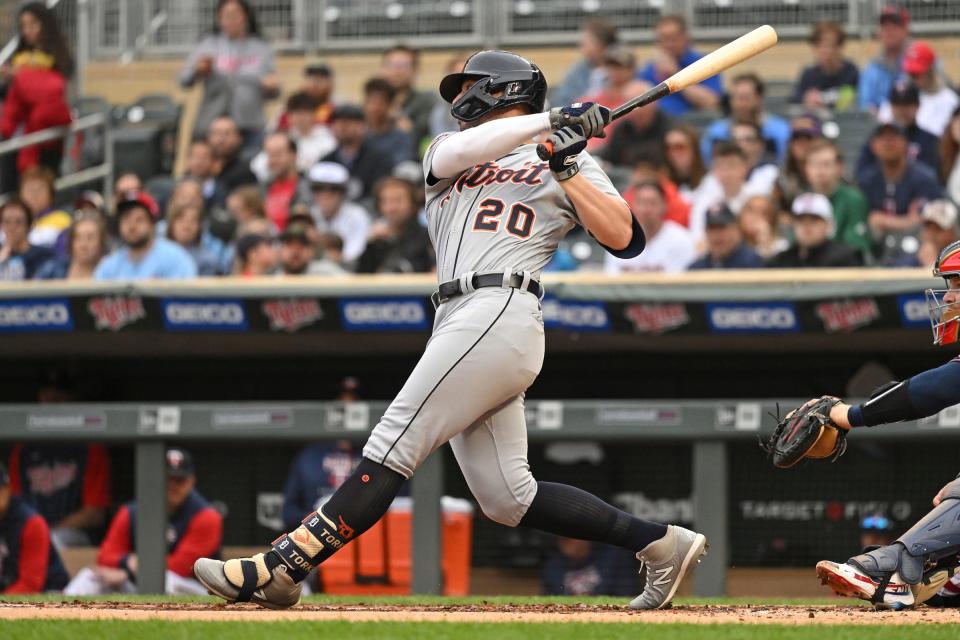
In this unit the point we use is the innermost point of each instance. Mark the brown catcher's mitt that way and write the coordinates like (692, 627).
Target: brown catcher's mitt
(806, 432)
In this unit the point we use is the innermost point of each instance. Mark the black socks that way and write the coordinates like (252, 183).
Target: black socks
(353, 508)
(573, 513)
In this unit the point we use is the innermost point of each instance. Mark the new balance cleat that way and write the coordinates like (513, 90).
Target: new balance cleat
(667, 561)
(262, 579)
(847, 580)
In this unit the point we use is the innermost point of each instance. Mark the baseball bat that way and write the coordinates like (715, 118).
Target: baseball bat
(746, 46)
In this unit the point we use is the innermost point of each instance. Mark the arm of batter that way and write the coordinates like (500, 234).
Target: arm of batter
(607, 217)
(488, 141)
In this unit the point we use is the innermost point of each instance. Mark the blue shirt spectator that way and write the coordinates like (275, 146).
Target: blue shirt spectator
(675, 53)
(746, 105)
(143, 254)
(725, 246)
(878, 76)
(164, 259)
(582, 568)
(896, 186)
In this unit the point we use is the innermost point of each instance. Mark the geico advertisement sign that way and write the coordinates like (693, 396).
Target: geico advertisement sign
(747, 318)
(203, 315)
(383, 314)
(34, 315)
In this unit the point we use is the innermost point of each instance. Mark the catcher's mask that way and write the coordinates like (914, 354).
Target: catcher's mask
(944, 304)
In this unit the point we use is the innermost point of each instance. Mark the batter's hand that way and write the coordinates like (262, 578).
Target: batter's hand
(566, 145)
(592, 117)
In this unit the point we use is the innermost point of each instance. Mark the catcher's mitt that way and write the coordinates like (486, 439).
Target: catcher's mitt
(806, 432)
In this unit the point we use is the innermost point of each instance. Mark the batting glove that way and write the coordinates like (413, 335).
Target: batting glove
(589, 115)
(567, 145)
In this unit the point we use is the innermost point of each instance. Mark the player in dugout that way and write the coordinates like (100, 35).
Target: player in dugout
(917, 566)
(194, 530)
(29, 563)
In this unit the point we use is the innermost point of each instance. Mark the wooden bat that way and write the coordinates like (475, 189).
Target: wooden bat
(746, 46)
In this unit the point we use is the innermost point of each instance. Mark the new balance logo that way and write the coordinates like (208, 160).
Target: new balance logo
(663, 576)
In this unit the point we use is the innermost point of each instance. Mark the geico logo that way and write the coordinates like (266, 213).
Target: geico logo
(37, 314)
(753, 318)
(574, 315)
(916, 310)
(179, 313)
(384, 312)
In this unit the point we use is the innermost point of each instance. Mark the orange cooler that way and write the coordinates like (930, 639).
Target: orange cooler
(379, 561)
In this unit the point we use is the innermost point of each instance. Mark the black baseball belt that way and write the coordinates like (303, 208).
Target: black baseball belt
(470, 282)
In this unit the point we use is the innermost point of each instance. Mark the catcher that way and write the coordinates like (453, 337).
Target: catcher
(915, 568)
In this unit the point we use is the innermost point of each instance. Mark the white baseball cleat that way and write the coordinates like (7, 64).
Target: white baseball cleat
(249, 580)
(847, 580)
(667, 561)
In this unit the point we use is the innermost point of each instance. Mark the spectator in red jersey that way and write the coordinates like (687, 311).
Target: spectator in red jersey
(649, 168)
(37, 91)
(194, 530)
(621, 66)
(284, 188)
(29, 563)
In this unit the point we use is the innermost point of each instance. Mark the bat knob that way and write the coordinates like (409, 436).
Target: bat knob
(545, 150)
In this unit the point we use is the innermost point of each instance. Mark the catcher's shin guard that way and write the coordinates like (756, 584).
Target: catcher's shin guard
(935, 536)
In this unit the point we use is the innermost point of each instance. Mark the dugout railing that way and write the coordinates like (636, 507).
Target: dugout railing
(708, 427)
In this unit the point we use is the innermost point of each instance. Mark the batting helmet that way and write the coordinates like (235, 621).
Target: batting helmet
(944, 304)
(514, 78)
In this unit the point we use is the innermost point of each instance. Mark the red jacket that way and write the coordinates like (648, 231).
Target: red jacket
(37, 99)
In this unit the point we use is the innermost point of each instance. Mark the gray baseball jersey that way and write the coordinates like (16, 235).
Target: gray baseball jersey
(487, 346)
(508, 213)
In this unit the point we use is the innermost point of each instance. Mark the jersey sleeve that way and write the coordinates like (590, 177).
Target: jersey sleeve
(116, 544)
(34, 557)
(433, 183)
(201, 540)
(96, 479)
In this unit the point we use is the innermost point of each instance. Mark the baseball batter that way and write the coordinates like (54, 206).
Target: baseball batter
(496, 214)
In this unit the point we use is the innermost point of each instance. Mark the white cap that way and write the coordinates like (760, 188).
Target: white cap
(329, 173)
(942, 213)
(813, 204)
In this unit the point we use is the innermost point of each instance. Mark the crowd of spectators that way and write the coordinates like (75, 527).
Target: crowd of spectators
(718, 175)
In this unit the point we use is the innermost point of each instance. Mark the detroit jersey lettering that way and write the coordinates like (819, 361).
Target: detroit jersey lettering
(508, 213)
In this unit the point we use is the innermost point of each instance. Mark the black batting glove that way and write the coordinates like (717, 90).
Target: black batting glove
(591, 116)
(567, 145)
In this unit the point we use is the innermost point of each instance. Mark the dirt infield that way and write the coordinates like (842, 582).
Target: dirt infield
(704, 614)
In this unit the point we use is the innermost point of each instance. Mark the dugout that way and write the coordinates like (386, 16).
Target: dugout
(661, 385)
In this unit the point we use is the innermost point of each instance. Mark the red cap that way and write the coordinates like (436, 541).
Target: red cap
(894, 13)
(918, 58)
(129, 199)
